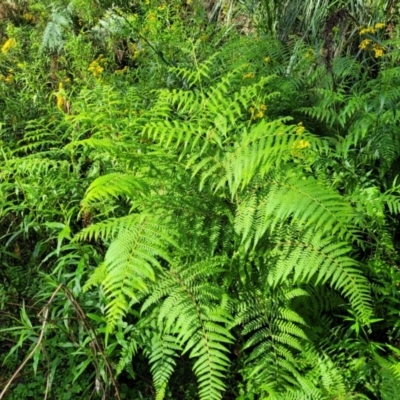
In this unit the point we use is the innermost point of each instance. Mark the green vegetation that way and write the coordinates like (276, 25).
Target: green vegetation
(199, 199)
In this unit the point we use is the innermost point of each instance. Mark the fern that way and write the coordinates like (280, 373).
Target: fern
(273, 333)
(162, 351)
(230, 187)
(130, 261)
(195, 311)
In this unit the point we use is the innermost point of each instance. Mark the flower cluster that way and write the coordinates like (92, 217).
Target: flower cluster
(28, 17)
(96, 67)
(8, 45)
(371, 29)
(258, 112)
(7, 78)
(378, 50)
(299, 144)
(367, 44)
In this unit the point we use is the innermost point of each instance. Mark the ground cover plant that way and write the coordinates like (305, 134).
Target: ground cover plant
(199, 199)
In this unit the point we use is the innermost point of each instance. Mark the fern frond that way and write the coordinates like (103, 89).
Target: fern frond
(259, 150)
(390, 375)
(316, 256)
(273, 333)
(130, 261)
(195, 76)
(113, 186)
(162, 350)
(192, 310)
(295, 198)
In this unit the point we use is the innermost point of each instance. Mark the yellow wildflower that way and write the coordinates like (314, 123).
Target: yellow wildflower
(249, 75)
(60, 97)
(28, 17)
(364, 44)
(379, 25)
(9, 78)
(369, 29)
(258, 112)
(378, 50)
(299, 145)
(267, 59)
(303, 144)
(8, 45)
(151, 17)
(95, 66)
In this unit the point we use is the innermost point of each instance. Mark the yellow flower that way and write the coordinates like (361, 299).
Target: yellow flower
(95, 66)
(60, 97)
(364, 44)
(369, 29)
(379, 25)
(303, 144)
(378, 50)
(267, 59)
(249, 75)
(28, 17)
(258, 112)
(60, 102)
(9, 44)
(9, 78)
(299, 145)
(151, 17)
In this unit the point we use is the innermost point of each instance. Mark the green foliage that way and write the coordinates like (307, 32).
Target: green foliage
(191, 210)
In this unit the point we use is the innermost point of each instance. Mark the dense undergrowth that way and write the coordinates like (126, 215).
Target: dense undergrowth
(199, 200)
